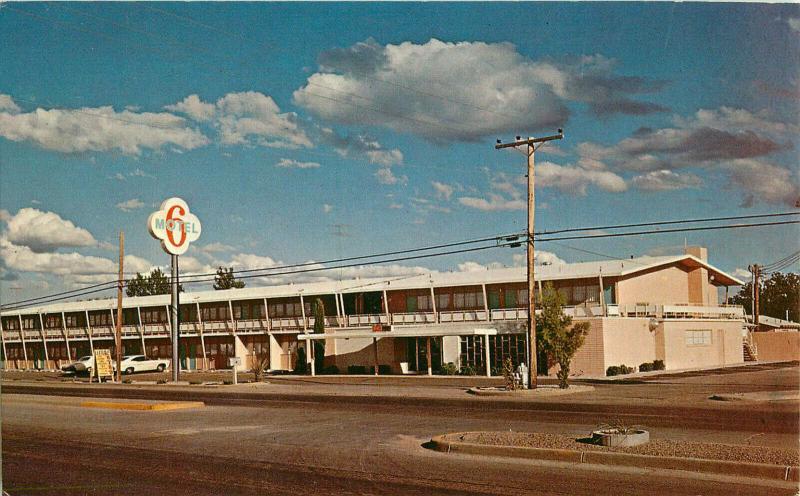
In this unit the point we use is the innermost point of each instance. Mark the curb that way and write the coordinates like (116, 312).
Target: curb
(149, 407)
(741, 469)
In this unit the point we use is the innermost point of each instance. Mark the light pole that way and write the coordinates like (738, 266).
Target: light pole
(532, 144)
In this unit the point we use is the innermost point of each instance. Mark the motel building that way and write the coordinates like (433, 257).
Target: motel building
(640, 310)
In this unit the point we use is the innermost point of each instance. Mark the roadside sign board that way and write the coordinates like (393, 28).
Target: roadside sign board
(102, 362)
(174, 225)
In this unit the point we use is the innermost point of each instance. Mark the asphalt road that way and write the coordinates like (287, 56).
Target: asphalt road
(51, 445)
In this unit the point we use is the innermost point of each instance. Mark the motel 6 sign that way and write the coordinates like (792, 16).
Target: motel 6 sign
(174, 225)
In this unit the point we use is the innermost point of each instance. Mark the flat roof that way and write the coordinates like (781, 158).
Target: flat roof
(582, 270)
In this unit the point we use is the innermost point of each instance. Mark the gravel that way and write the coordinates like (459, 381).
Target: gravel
(656, 447)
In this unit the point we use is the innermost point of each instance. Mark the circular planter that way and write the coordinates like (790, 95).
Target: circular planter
(616, 439)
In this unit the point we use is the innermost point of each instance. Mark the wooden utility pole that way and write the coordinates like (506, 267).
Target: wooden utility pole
(118, 334)
(532, 145)
(756, 287)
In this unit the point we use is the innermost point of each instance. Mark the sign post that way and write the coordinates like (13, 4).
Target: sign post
(102, 364)
(176, 227)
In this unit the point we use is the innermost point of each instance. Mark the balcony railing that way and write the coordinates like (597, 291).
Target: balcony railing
(297, 324)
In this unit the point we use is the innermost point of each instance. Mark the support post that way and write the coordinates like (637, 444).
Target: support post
(44, 341)
(141, 329)
(386, 307)
(375, 353)
(602, 295)
(338, 311)
(485, 302)
(531, 151)
(312, 357)
(233, 321)
(3, 340)
(22, 337)
(433, 305)
(89, 332)
(202, 332)
(118, 333)
(303, 312)
(344, 313)
(266, 316)
(66, 336)
(487, 355)
(175, 321)
(756, 291)
(428, 355)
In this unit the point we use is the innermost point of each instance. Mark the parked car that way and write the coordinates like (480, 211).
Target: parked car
(83, 364)
(140, 363)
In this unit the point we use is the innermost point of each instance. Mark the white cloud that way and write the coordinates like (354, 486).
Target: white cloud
(100, 129)
(493, 203)
(464, 91)
(664, 180)
(194, 108)
(216, 248)
(742, 274)
(287, 163)
(254, 118)
(477, 267)
(385, 158)
(575, 180)
(361, 145)
(327, 208)
(765, 182)
(540, 257)
(45, 231)
(129, 205)
(5, 215)
(386, 176)
(794, 24)
(7, 104)
(443, 191)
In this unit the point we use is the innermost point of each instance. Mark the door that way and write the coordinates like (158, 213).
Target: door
(494, 299)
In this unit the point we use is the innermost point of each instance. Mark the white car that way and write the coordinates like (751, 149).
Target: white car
(83, 364)
(140, 363)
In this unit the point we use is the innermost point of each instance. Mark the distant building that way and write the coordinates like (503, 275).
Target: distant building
(640, 310)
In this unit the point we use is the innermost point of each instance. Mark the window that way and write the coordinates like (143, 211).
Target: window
(511, 298)
(442, 302)
(468, 300)
(698, 338)
(71, 320)
(424, 303)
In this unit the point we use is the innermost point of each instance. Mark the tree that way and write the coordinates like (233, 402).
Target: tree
(777, 294)
(225, 279)
(319, 316)
(556, 335)
(155, 283)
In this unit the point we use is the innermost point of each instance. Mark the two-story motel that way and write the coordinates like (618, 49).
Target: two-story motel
(640, 310)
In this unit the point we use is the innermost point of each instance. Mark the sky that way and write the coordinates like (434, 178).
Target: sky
(301, 132)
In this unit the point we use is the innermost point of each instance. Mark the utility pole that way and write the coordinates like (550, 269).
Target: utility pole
(118, 334)
(532, 145)
(756, 288)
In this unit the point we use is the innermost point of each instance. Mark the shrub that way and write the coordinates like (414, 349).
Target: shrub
(227, 382)
(449, 369)
(468, 370)
(161, 381)
(196, 382)
(619, 370)
(384, 369)
(508, 374)
(557, 335)
(646, 367)
(356, 370)
(127, 381)
(658, 365)
(330, 370)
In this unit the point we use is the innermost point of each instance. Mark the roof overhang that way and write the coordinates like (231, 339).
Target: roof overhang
(404, 333)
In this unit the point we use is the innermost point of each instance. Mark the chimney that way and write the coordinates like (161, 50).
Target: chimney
(700, 252)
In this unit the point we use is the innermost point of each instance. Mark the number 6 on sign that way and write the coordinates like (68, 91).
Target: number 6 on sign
(175, 226)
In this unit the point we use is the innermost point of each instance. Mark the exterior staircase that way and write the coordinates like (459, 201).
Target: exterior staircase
(749, 352)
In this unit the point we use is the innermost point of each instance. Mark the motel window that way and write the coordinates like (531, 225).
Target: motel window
(424, 303)
(52, 321)
(71, 320)
(511, 298)
(698, 338)
(442, 302)
(11, 324)
(28, 323)
(522, 298)
(101, 319)
(468, 300)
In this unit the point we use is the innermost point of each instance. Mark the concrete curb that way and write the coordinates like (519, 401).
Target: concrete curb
(540, 392)
(741, 469)
(149, 407)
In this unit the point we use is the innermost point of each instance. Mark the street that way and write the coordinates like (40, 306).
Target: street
(52, 445)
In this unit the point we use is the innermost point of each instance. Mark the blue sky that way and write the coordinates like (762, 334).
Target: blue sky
(302, 132)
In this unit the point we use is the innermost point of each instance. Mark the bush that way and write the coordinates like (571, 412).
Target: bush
(384, 369)
(227, 382)
(646, 367)
(618, 370)
(356, 370)
(330, 370)
(658, 365)
(195, 382)
(161, 381)
(449, 369)
(468, 370)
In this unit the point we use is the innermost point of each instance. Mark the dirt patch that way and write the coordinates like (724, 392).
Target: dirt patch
(657, 447)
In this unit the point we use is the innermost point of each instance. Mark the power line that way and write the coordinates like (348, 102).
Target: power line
(511, 240)
(663, 231)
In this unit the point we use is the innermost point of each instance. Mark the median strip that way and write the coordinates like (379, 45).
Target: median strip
(149, 407)
(454, 443)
